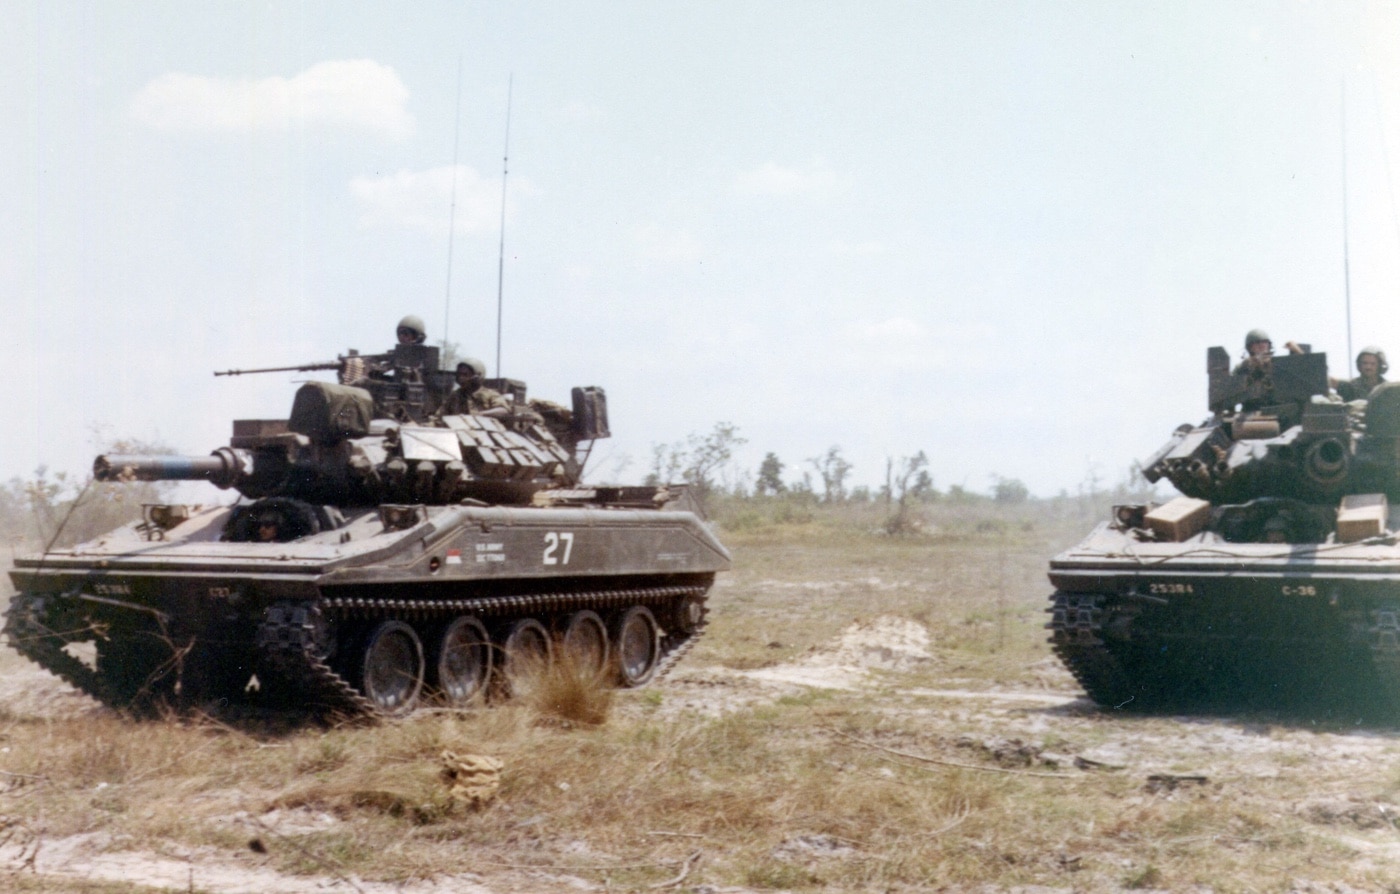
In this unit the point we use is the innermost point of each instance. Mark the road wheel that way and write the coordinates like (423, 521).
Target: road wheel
(586, 642)
(463, 661)
(392, 671)
(636, 645)
(526, 651)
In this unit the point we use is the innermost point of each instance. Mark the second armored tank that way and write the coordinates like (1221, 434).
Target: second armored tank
(1273, 582)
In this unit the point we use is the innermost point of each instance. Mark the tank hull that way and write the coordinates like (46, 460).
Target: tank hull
(342, 620)
(1206, 624)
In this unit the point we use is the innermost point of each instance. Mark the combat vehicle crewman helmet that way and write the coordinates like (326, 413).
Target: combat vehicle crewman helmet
(412, 327)
(1378, 354)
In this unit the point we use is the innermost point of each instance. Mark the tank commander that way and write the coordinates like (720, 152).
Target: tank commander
(411, 331)
(471, 397)
(1259, 350)
(357, 370)
(1372, 366)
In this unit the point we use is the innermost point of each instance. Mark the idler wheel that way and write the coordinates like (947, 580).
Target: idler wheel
(463, 663)
(525, 650)
(392, 672)
(586, 642)
(687, 615)
(636, 645)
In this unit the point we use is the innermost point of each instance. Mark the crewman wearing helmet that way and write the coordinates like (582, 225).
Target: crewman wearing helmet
(411, 331)
(1259, 351)
(471, 397)
(1372, 366)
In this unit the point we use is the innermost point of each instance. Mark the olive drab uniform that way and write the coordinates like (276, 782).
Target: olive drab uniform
(463, 403)
(1360, 388)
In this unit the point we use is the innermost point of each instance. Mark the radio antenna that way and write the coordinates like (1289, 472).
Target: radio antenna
(501, 259)
(452, 215)
(1385, 154)
(1346, 240)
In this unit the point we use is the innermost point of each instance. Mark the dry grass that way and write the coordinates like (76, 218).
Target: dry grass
(876, 789)
(567, 690)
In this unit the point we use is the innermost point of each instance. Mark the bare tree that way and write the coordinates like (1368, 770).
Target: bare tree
(833, 469)
(907, 480)
(708, 454)
(698, 460)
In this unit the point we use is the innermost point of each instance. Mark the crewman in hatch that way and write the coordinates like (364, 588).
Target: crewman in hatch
(1370, 363)
(471, 396)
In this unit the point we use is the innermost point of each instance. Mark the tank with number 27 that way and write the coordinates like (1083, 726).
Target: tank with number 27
(377, 556)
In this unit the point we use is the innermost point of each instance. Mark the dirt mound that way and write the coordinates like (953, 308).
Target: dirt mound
(883, 644)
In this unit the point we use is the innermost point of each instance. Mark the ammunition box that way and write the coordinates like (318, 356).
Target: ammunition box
(1361, 516)
(1178, 519)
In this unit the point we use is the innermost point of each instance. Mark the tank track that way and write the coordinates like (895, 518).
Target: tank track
(1076, 625)
(1382, 637)
(29, 637)
(293, 637)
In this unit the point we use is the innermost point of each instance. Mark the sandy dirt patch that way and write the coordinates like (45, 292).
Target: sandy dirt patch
(97, 857)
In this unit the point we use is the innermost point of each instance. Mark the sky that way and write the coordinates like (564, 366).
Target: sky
(1002, 234)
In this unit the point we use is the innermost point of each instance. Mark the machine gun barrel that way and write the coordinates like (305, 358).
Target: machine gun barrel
(223, 468)
(306, 367)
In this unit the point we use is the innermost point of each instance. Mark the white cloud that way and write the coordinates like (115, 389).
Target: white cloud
(357, 93)
(667, 245)
(422, 200)
(816, 178)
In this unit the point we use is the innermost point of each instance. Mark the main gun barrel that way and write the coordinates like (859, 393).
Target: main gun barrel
(223, 467)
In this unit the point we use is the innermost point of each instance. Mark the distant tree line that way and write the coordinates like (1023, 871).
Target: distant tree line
(706, 463)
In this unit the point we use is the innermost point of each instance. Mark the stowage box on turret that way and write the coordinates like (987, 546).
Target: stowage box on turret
(377, 555)
(1274, 581)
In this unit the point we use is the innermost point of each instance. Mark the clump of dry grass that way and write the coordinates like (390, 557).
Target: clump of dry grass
(567, 689)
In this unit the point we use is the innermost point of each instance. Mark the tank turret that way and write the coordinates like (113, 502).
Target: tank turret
(332, 450)
(1275, 432)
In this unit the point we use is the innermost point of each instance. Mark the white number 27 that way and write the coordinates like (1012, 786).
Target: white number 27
(552, 540)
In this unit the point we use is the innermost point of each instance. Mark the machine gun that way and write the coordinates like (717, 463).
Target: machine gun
(406, 383)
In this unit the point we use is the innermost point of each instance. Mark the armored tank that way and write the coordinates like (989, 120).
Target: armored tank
(1273, 582)
(377, 556)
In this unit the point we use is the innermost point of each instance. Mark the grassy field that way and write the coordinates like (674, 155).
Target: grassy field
(966, 763)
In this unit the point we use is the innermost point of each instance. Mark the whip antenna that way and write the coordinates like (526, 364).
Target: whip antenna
(1346, 241)
(501, 259)
(452, 215)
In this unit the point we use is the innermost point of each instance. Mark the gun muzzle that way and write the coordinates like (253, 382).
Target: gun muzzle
(1326, 462)
(222, 468)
